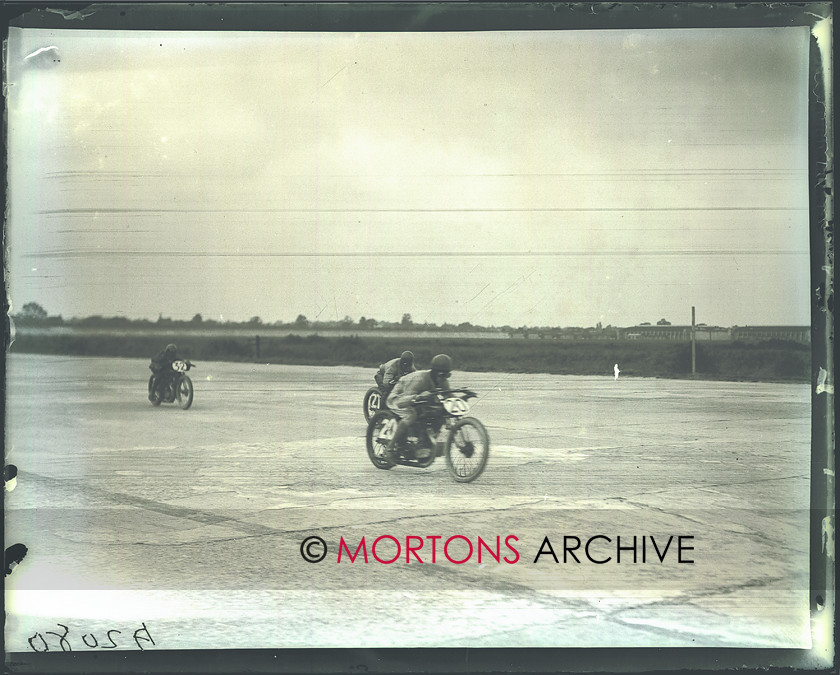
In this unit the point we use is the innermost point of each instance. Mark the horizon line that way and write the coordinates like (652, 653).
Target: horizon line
(414, 254)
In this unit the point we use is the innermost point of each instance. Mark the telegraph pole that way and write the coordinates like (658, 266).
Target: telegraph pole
(693, 340)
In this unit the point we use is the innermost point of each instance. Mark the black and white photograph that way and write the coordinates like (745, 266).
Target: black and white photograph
(411, 338)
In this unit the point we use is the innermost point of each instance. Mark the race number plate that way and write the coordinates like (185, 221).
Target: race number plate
(386, 433)
(179, 366)
(455, 406)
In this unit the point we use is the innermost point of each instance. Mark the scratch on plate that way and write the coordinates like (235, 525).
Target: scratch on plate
(81, 15)
(822, 385)
(828, 537)
(334, 76)
(42, 50)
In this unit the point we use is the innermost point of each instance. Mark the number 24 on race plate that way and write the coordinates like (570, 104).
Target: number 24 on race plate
(388, 429)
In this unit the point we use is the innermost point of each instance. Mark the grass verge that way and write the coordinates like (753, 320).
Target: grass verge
(771, 361)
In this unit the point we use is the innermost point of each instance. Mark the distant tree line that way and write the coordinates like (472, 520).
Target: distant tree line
(33, 314)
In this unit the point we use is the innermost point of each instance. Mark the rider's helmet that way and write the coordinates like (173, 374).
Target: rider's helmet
(171, 350)
(406, 360)
(441, 367)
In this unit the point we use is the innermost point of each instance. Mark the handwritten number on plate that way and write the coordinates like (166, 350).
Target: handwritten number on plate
(62, 639)
(114, 644)
(34, 639)
(138, 637)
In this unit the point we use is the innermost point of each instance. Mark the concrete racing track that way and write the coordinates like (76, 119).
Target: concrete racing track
(190, 523)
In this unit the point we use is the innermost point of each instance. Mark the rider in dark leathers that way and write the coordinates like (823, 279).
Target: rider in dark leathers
(389, 373)
(161, 366)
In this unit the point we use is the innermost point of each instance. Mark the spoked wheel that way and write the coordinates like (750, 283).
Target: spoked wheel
(154, 395)
(380, 431)
(372, 402)
(467, 449)
(185, 392)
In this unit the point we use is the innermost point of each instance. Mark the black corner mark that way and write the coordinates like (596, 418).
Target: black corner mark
(14, 555)
(9, 472)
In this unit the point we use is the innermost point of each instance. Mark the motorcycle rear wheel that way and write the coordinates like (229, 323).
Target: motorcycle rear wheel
(185, 392)
(377, 446)
(372, 403)
(154, 394)
(467, 449)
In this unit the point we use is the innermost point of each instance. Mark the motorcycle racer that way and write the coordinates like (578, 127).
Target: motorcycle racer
(391, 371)
(411, 386)
(161, 366)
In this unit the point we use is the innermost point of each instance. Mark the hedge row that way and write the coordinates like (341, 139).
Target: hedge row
(769, 361)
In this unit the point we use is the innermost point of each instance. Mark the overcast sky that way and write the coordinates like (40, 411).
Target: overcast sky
(539, 178)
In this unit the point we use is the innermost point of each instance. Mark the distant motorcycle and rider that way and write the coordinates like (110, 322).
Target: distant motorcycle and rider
(169, 380)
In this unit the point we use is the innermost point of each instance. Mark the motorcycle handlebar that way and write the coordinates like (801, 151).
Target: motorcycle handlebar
(468, 393)
(154, 368)
(442, 394)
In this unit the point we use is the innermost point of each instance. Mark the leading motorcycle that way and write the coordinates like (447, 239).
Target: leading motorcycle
(442, 429)
(178, 386)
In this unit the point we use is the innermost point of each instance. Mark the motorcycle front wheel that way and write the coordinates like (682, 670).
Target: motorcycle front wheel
(185, 392)
(467, 449)
(372, 402)
(380, 431)
(154, 395)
